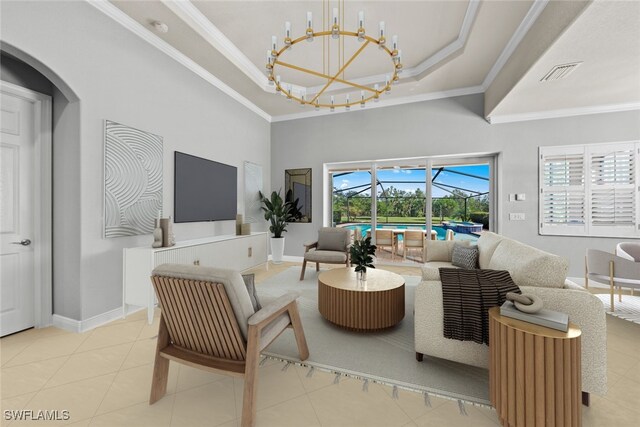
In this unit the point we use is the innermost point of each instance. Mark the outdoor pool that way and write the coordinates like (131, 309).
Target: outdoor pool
(440, 230)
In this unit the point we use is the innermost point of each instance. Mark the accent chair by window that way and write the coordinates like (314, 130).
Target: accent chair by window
(332, 247)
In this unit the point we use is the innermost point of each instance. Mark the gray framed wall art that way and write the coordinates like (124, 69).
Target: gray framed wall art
(132, 180)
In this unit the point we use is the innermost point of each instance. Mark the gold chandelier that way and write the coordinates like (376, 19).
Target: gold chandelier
(336, 31)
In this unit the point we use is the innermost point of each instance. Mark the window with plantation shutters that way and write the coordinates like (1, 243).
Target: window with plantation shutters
(613, 189)
(562, 191)
(589, 190)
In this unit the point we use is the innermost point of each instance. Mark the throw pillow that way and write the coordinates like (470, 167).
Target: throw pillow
(465, 256)
(439, 250)
(249, 282)
(442, 250)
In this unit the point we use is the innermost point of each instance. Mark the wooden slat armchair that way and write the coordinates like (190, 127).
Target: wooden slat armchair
(208, 321)
(332, 247)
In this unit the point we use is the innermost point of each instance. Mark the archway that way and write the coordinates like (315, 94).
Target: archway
(56, 146)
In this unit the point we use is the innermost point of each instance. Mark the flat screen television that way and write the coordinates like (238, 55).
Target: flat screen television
(204, 190)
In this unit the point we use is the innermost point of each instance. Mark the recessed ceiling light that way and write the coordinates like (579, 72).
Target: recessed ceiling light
(160, 27)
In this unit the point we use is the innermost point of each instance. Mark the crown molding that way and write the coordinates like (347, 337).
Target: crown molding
(566, 112)
(390, 102)
(191, 15)
(438, 57)
(447, 51)
(132, 25)
(534, 12)
(530, 18)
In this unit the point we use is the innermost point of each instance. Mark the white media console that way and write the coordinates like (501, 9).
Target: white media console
(233, 252)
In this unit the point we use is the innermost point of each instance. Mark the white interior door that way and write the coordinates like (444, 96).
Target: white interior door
(17, 146)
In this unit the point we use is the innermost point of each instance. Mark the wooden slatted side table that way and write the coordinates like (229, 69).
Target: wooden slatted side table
(534, 373)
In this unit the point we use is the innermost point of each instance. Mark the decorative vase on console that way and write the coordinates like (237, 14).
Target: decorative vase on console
(362, 252)
(168, 239)
(157, 235)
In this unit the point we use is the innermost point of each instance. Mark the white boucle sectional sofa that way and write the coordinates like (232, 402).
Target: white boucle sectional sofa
(535, 272)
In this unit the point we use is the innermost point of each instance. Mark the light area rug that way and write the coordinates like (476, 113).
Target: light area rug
(386, 357)
(628, 309)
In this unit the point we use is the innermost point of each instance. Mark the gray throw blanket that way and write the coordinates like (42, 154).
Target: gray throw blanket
(467, 296)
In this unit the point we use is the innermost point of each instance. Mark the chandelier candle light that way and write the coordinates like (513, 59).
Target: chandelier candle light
(333, 31)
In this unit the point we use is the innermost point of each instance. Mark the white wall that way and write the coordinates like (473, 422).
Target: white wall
(119, 77)
(447, 126)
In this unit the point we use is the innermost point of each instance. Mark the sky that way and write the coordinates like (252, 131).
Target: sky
(414, 178)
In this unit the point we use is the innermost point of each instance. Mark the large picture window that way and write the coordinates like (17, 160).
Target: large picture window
(451, 197)
(589, 190)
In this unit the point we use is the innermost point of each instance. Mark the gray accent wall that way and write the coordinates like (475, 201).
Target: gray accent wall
(21, 74)
(440, 127)
(116, 75)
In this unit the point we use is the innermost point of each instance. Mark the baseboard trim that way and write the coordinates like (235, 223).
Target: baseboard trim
(289, 258)
(67, 324)
(592, 284)
(79, 326)
(577, 280)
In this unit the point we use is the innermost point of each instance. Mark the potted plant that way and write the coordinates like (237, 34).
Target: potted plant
(362, 252)
(279, 212)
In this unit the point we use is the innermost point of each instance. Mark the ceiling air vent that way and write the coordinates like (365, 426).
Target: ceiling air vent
(560, 71)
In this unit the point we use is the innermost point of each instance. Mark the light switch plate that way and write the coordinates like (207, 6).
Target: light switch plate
(520, 197)
(512, 197)
(516, 217)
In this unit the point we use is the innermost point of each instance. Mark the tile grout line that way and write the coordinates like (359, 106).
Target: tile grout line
(68, 356)
(173, 404)
(83, 379)
(174, 396)
(315, 412)
(302, 381)
(4, 366)
(396, 402)
(235, 404)
(20, 352)
(40, 360)
(306, 393)
(112, 381)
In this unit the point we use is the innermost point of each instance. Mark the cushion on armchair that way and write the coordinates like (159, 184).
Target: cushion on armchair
(331, 257)
(333, 239)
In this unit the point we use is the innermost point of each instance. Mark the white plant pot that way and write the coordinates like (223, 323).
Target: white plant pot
(277, 249)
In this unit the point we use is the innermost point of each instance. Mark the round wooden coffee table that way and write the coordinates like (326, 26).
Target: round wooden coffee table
(375, 304)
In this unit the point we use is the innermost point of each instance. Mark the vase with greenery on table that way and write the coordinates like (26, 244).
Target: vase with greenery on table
(279, 212)
(362, 252)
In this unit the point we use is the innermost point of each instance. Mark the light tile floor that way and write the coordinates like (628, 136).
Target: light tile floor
(102, 377)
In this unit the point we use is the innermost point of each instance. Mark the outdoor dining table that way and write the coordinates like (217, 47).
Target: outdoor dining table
(401, 231)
